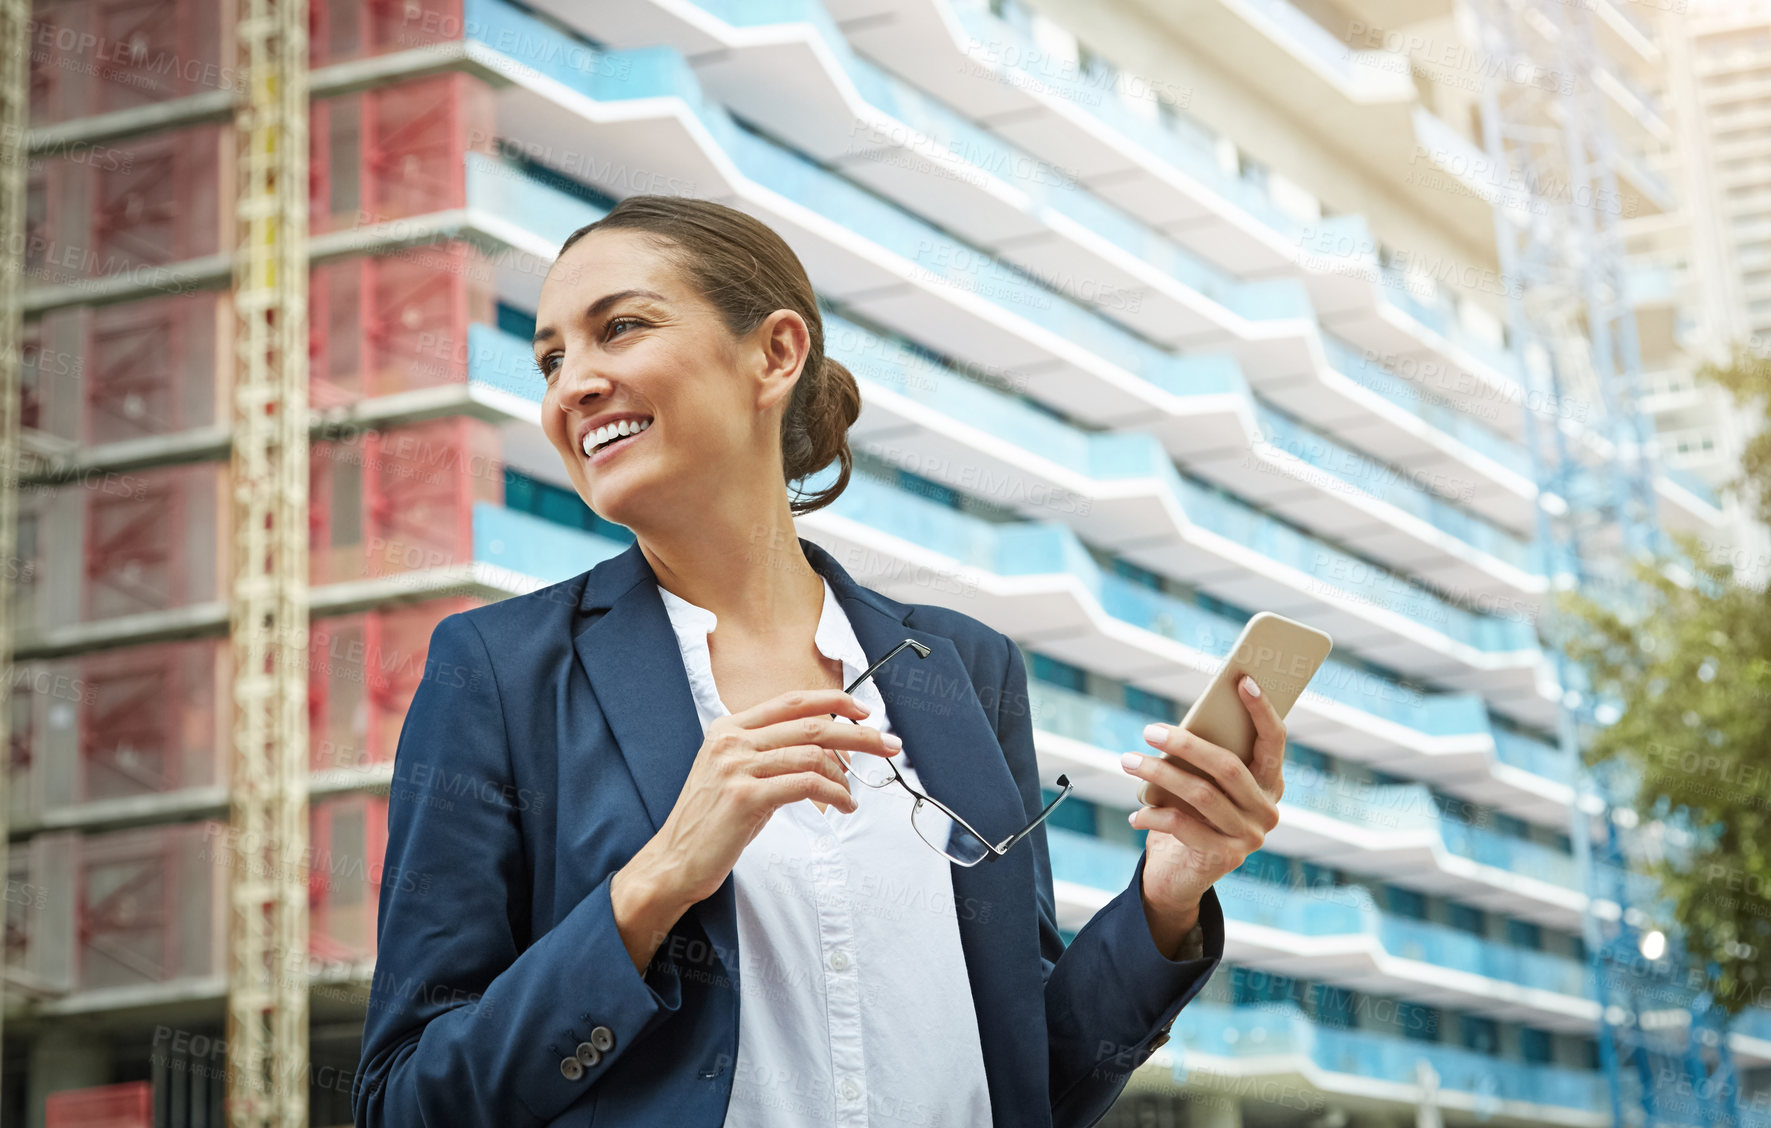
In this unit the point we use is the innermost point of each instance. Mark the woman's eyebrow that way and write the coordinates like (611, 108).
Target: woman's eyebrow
(597, 308)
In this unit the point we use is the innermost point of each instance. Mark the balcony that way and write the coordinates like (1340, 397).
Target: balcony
(1244, 1041)
(1395, 833)
(1084, 736)
(1337, 934)
(788, 69)
(1342, 92)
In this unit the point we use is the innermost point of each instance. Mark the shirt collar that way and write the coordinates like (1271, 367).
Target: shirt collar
(835, 636)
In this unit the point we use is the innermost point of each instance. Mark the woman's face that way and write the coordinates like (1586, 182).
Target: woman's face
(621, 337)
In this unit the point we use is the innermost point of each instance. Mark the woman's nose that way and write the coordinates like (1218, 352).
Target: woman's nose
(580, 383)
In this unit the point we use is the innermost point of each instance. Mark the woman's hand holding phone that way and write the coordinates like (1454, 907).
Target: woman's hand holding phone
(749, 765)
(1208, 810)
(1212, 795)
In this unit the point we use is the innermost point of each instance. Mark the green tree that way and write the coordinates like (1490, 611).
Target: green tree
(1690, 660)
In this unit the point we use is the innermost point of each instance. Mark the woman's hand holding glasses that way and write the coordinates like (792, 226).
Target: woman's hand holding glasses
(749, 765)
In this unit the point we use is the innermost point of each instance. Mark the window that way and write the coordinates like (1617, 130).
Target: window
(1405, 902)
(1331, 1006)
(1418, 1023)
(344, 168)
(1253, 987)
(557, 505)
(1468, 918)
(1586, 1053)
(1137, 575)
(30, 564)
(1307, 757)
(1251, 170)
(345, 856)
(1534, 1045)
(1074, 813)
(1478, 1033)
(1317, 876)
(517, 322)
(934, 491)
(347, 502)
(1096, 67)
(1150, 704)
(1048, 669)
(1525, 934)
(1184, 125)
(1264, 865)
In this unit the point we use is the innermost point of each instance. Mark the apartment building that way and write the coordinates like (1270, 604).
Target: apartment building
(1163, 314)
(1716, 76)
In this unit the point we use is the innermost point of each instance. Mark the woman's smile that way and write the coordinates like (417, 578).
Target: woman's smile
(597, 455)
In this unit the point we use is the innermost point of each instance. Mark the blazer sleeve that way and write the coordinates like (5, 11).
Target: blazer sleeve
(1111, 995)
(468, 1021)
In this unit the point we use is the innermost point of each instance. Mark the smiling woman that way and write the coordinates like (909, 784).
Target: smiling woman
(663, 291)
(703, 922)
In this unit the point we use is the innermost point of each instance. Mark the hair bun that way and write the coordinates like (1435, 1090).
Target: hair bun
(832, 408)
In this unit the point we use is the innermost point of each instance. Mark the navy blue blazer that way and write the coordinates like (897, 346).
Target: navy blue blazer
(548, 740)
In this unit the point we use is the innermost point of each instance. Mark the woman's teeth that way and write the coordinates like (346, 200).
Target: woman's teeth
(611, 431)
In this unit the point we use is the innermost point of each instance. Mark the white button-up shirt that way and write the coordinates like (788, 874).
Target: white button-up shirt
(854, 1007)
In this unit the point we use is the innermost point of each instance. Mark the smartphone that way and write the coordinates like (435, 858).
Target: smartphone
(1281, 655)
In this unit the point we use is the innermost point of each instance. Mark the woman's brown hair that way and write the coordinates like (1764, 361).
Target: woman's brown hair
(747, 271)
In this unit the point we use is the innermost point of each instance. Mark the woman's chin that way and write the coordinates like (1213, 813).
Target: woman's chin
(615, 501)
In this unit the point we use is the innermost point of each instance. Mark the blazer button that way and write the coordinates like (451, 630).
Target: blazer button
(1159, 1041)
(588, 1055)
(603, 1039)
(571, 1068)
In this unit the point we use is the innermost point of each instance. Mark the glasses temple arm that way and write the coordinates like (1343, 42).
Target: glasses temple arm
(1067, 786)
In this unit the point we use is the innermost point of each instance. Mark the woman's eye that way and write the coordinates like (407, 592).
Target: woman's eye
(616, 324)
(547, 364)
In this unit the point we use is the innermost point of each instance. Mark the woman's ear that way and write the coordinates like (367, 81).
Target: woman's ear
(782, 343)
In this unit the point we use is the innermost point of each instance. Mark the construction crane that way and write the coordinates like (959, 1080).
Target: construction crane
(1557, 216)
(267, 1025)
(15, 89)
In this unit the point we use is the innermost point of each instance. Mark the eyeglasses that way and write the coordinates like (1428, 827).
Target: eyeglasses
(935, 822)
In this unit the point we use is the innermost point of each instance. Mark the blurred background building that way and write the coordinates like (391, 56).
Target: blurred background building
(1164, 312)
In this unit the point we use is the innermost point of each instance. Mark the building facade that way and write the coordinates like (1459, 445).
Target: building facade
(1163, 314)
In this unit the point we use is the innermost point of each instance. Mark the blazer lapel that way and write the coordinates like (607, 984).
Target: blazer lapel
(629, 653)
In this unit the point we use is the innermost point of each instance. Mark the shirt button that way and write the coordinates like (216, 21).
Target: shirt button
(850, 1090)
(826, 843)
(839, 960)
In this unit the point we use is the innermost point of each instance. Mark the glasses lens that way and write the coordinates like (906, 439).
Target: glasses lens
(950, 838)
(874, 771)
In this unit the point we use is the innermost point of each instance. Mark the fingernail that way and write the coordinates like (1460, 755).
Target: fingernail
(1132, 760)
(1248, 684)
(1155, 733)
(891, 740)
(1132, 818)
